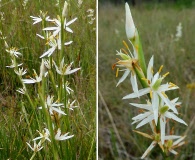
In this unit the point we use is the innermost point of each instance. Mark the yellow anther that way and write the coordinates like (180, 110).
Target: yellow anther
(124, 51)
(172, 85)
(165, 74)
(125, 44)
(113, 66)
(117, 70)
(160, 69)
(151, 94)
(163, 93)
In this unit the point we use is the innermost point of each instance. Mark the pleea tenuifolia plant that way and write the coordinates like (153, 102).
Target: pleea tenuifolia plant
(159, 110)
(50, 100)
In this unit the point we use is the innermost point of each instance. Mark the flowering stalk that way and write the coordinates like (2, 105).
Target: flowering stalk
(159, 108)
(51, 83)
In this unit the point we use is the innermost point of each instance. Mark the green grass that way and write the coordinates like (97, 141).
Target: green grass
(157, 26)
(15, 123)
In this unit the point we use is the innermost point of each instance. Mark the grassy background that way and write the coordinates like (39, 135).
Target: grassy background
(157, 27)
(16, 25)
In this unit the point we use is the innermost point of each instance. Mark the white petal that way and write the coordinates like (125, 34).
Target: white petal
(68, 43)
(150, 69)
(149, 149)
(179, 140)
(173, 151)
(141, 92)
(50, 28)
(143, 106)
(145, 121)
(168, 102)
(170, 137)
(155, 105)
(141, 116)
(174, 117)
(162, 128)
(155, 78)
(70, 22)
(134, 83)
(123, 77)
(72, 71)
(69, 30)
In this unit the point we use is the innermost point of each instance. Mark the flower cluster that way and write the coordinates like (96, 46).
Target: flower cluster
(53, 95)
(159, 109)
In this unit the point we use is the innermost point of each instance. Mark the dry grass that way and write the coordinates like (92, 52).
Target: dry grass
(157, 26)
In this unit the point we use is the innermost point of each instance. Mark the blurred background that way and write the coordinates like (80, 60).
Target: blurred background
(156, 21)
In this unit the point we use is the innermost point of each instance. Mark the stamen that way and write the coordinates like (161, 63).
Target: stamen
(172, 85)
(160, 69)
(113, 66)
(165, 74)
(117, 70)
(151, 94)
(124, 51)
(125, 44)
(163, 93)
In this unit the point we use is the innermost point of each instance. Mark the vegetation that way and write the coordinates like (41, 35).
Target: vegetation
(157, 28)
(21, 118)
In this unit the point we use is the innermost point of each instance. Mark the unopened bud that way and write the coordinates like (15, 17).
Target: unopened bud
(130, 26)
(65, 10)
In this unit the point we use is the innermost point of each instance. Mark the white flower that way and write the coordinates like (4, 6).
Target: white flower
(22, 90)
(44, 135)
(170, 145)
(53, 43)
(65, 69)
(36, 147)
(68, 89)
(20, 71)
(71, 105)
(13, 52)
(32, 80)
(127, 62)
(130, 27)
(14, 64)
(156, 90)
(61, 137)
(43, 68)
(57, 29)
(53, 106)
(163, 113)
(41, 18)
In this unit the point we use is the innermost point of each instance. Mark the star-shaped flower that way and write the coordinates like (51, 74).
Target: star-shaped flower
(56, 30)
(163, 114)
(127, 62)
(156, 90)
(62, 137)
(65, 69)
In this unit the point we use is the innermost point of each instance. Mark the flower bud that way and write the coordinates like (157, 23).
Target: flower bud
(65, 10)
(130, 27)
